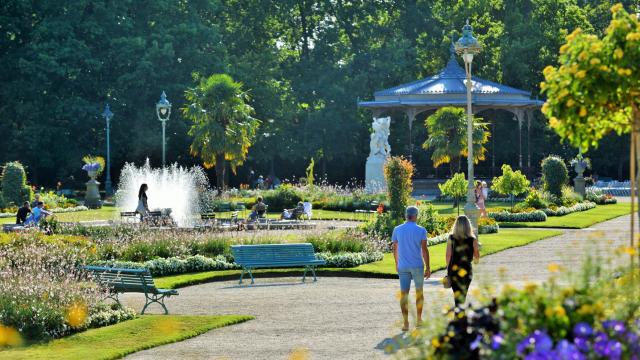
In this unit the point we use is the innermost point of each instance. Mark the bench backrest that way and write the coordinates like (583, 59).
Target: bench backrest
(123, 280)
(208, 216)
(272, 253)
(128, 213)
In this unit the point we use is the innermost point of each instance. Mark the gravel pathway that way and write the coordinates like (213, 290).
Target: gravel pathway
(348, 318)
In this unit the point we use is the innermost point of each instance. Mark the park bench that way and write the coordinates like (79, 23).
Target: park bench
(129, 216)
(120, 280)
(251, 257)
(11, 227)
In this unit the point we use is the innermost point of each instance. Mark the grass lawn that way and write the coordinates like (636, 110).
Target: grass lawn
(104, 213)
(116, 341)
(578, 220)
(491, 243)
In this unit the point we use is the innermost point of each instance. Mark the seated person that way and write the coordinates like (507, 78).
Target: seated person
(293, 214)
(37, 214)
(258, 210)
(21, 216)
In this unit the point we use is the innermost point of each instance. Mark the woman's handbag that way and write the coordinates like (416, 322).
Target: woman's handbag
(446, 282)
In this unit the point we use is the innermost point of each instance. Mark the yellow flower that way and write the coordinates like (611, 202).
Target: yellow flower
(543, 85)
(575, 33)
(618, 53)
(594, 61)
(553, 121)
(9, 336)
(604, 68)
(585, 309)
(548, 70)
(583, 55)
(624, 72)
(76, 315)
(563, 48)
(530, 287)
(548, 312)
(553, 267)
(581, 74)
(435, 343)
(560, 312)
(595, 47)
(545, 108)
(634, 36)
(583, 111)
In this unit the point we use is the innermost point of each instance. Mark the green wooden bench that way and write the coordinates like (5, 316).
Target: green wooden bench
(119, 280)
(251, 257)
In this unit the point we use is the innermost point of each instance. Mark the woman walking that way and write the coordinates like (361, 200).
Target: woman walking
(143, 206)
(462, 248)
(480, 197)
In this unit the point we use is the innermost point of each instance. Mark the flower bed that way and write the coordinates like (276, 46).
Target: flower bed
(505, 216)
(563, 210)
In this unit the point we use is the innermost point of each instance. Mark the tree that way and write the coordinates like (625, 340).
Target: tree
(398, 172)
(447, 130)
(14, 184)
(223, 128)
(456, 187)
(596, 88)
(512, 183)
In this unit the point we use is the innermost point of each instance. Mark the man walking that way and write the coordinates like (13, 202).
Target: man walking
(412, 262)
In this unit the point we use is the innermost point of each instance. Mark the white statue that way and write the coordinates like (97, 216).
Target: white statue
(380, 137)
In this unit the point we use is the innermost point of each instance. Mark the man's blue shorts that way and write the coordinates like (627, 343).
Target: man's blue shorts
(405, 275)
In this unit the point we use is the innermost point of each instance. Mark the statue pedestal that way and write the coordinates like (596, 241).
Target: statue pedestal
(579, 185)
(92, 197)
(374, 175)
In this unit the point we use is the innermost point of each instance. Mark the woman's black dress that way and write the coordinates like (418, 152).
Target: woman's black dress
(460, 270)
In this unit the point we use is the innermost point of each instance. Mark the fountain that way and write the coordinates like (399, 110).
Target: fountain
(173, 187)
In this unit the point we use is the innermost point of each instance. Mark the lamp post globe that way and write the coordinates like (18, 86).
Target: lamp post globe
(467, 46)
(108, 115)
(163, 110)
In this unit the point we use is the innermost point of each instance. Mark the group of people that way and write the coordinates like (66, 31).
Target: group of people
(412, 260)
(31, 213)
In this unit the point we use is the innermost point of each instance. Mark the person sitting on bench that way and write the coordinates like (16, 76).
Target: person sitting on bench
(258, 210)
(293, 214)
(37, 214)
(21, 216)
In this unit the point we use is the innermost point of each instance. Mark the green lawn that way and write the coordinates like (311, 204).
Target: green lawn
(104, 213)
(491, 243)
(578, 220)
(116, 341)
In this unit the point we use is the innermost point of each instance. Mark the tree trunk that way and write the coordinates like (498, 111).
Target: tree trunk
(220, 170)
(635, 136)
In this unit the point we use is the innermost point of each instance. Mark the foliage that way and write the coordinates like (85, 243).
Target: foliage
(579, 159)
(309, 173)
(511, 183)
(91, 159)
(398, 173)
(14, 184)
(433, 222)
(456, 187)
(381, 226)
(564, 210)
(350, 259)
(174, 265)
(340, 242)
(594, 91)
(487, 225)
(284, 197)
(447, 129)
(222, 123)
(597, 196)
(570, 197)
(554, 174)
(537, 199)
(505, 216)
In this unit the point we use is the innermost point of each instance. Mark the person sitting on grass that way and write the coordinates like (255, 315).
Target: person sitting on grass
(21, 216)
(258, 210)
(37, 214)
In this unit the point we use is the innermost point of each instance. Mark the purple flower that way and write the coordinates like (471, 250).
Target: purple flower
(568, 351)
(476, 343)
(91, 167)
(582, 330)
(600, 336)
(542, 355)
(615, 325)
(539, 339)
(582, 344)
(614, 350)
(496, 341)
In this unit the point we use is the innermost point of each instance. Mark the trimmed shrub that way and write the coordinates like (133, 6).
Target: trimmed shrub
(554, 174)
(456, 187)
(346, 260)
(505, 216)
(564, 210)
(398, 173)
(14, 184)
(174, 265)
(431, 220)
(284, 197)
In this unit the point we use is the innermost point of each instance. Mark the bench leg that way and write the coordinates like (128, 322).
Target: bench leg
(153, 298)
(304, 275)
(313, 270)
(251, 275)
(241, 276)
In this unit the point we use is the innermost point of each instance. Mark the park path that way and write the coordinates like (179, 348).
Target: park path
(349, 318)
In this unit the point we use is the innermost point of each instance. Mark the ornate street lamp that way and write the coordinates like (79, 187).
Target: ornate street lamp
(107, 115)
(163, 109)
(467, 46)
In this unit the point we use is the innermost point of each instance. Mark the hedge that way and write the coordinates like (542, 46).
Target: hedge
(563, 210)
(505, 216)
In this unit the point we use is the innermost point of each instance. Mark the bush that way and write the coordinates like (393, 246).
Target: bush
(398, 173)
(174, 265)
(554, 174)
(284, 197)
(597, 196)
(505, 216)
(536, 199)
(14, 184)
(432, 221)
(338, 242)
(569, 197)
(347, 260)
(381, 226)
(564, 210)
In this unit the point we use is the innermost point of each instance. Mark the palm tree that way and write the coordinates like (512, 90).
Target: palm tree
(447, 130)
(223, 128)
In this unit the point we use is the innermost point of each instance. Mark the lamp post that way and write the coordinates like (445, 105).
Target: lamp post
(163, 109)
(467, 46)
(107, 115)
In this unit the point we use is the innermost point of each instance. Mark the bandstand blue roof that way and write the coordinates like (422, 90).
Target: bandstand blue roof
(448, 88)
